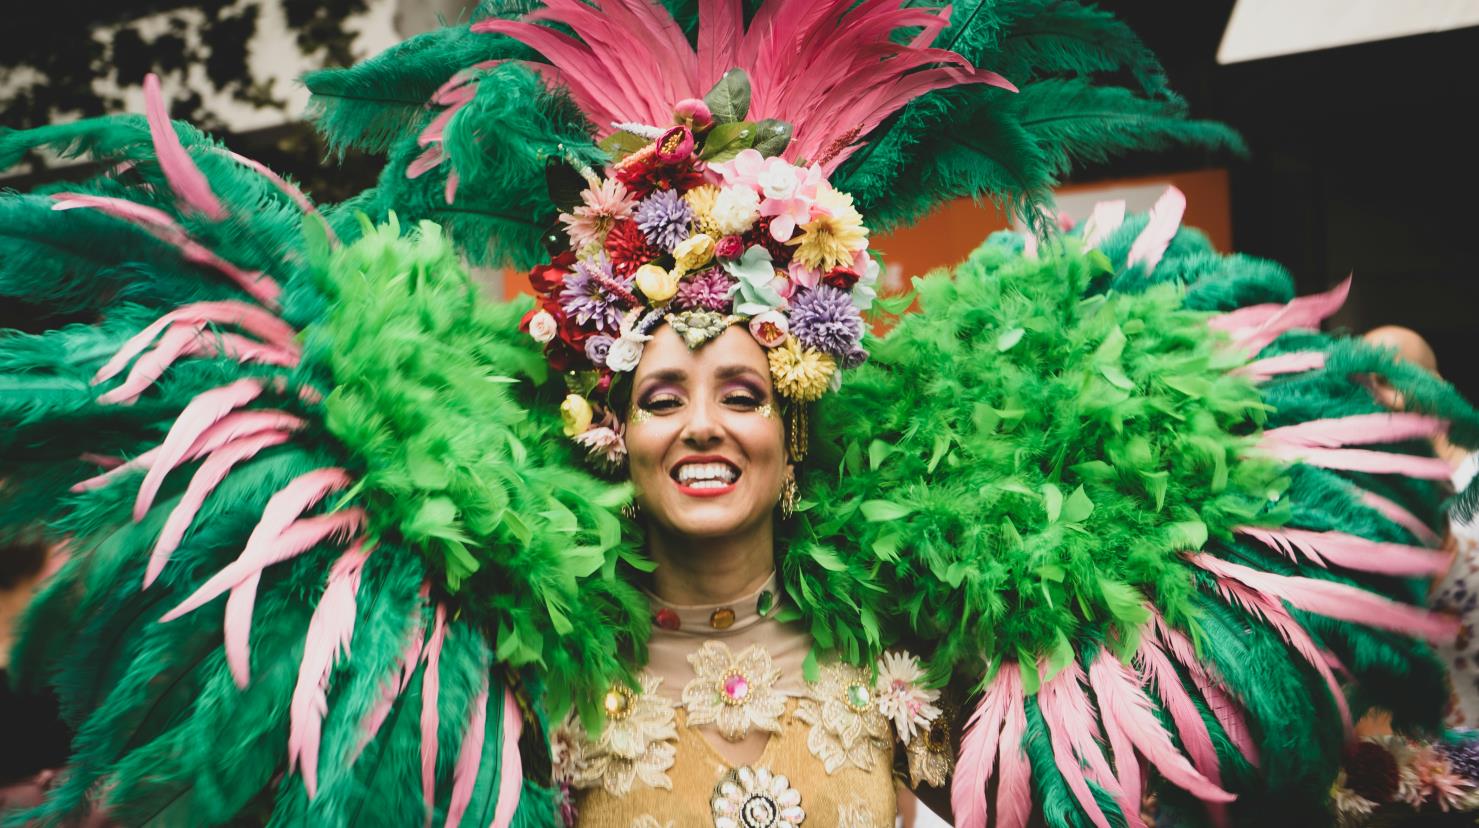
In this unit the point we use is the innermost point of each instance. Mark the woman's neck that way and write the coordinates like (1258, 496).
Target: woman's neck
(695, 571)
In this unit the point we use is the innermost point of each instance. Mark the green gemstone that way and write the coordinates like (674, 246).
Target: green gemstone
(765, 602)
(858, 696)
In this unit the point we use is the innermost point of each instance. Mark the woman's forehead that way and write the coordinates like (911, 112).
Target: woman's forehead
(731, 354)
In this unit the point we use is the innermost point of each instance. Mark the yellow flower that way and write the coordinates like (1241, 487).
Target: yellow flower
(701, 202)
(656, 283)
(800, 374)
(576, 414)
(831, 239)
(694, 252)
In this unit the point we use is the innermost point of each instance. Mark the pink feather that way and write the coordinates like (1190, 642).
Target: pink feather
(199, 414)
(1358, 430)
(395, 684)
(1363, 460)
(1273, 613)
(1105, 219)
(1256, 326)
(720, 28)
(1227, 710)
(158, 224)
(1351, 551)
(1165, 220)
(262, 324)
(511, 769)
(430, 690)
(1184, 714)
(285, 186)
(1400, 516)
(1071, 726)
(1014, 782)
(329, 633)
(1336, 600)
(186, 179)
(977, 757)
(143, 461)
(1122, 699)
(207, 477)
(152, 365)
(1296, 362)
(469, 759)
(236, 628)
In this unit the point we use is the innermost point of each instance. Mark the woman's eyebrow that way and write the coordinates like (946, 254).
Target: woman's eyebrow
(731, 371)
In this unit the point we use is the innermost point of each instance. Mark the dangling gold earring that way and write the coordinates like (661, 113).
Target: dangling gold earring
(629, 510)
(789, 493)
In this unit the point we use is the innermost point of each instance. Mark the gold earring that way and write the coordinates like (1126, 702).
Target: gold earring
(789, 493)
(629, 510)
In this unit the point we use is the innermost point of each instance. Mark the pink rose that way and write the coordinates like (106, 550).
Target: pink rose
(730, 247)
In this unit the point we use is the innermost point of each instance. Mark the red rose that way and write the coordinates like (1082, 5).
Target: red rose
(550, 278)
(562, 357)
(840, 278)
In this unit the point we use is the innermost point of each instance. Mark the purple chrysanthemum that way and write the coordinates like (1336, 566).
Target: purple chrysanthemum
(664, 217)
(596, 297)
(707, 290)
(825, 319)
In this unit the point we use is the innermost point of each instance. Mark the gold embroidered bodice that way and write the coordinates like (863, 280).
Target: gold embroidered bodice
(726, 731)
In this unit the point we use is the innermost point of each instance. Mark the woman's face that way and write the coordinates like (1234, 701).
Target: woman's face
(704, 438)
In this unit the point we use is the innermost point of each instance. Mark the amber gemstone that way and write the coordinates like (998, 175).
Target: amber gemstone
(722, 619)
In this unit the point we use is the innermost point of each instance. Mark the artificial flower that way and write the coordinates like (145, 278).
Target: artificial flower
(748, 797)
(604, 204)
(789, 194)
(644, 173)
(834, 233)
(624, 355)
(596, 348)
(733, 693)
(595, 296)
(604, 445)
(664, 217)
(542, 326)
(675, 145)
(846, 727)
(865, 292)
(656, 283)
(694, 113)
(706, 290)
(701, 203)
(735, 209)
(743, 170)
(729, 247)
(627, 248)
(781, 252)
(840, 278)
(575, 414)
(903, 697)
(755, 283)
(824, 319)
(550, 277)
(769, 328)
(694, 252)
(1351, 809)
(800, 374)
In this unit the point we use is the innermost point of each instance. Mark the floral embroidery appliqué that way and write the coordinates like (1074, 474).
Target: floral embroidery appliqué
(637, 743)
(846, 726)
(753, 797)
(733, 693)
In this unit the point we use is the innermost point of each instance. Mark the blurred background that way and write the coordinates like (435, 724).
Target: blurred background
(1357, 113)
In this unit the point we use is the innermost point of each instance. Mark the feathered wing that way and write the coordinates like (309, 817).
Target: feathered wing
(240, 409)
(1140, 477)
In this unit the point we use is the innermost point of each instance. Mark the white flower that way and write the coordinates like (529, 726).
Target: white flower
(902, 696)
(624, 355)
(778, 180)
(753, 797)
(543, 327)
(735, 209)
(732, 692)
(866, 290)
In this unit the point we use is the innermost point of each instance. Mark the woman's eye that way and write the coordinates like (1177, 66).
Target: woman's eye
(742, 400)
(663, 403)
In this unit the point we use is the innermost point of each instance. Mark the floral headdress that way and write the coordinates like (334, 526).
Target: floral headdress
(722, 212)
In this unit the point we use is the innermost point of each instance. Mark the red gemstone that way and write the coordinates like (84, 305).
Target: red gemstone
(667, 619)
(736, 687)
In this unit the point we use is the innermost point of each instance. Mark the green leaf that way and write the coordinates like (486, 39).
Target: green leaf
(772, 137)
(1052, 501)
(1008, 340)
(1079, 506)
(620, 144)
(877, 511)
(729, 100)
(725, 141)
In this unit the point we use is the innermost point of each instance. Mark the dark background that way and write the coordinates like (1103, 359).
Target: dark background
(1362, 158)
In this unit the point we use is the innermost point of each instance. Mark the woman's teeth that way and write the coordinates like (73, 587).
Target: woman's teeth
(706, 475)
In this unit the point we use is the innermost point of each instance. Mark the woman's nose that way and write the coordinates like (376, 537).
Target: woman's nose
(702, 428)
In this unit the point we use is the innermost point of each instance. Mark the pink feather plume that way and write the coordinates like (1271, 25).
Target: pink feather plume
(1071, 726)
(1362, 460)
(1296, 362)
(199, 414)
(469, 759)
(236, 628)
(1351, 551)
(329, 633)
(1358, 430)
(1225, 709)
(1105, 219)
(263, 324)
(396, 683)
(1335, 600)
(1014, 781)
(1164, 221)
(1394, 512)
(430, 691)
(207, 477)
(977, 757)
(1122, 700)
(511, 768)
(139, 463)
(186, 179)
(1184, 714)
(1256, 326)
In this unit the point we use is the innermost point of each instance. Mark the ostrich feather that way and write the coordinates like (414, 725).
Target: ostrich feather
(1165, 220)
(286, 187)
(200, 414)
(207, 477)
(430, 685)
(329, 633)
(977, 757)
(1122, 699)
(1351, 551)
(469, 759)
(1014, 782)
(1295, 362)
(1336, 600)
(1394, 512)
(511, 767)
(254, 320)
(186, 179)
